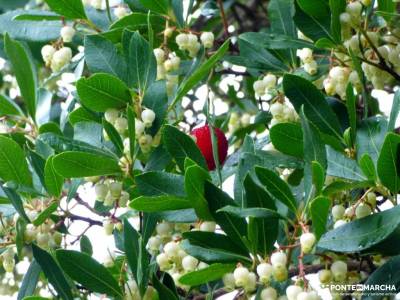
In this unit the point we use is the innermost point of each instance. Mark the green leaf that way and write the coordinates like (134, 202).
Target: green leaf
(137, 256)
(30, 280)
(387, 6)
(35, 31)
(351, 110)
(394, 113)
(53, 272)
(102, 56)
(85, 245)
(61, 144)
(159, 203)
(8, 107)
(370, 136)
(208, 274)
(213, 247)
(258, 199)
(276, 187)
(13, 164)
(16, 202)
(24, 71)
(195, 178)
(82, 114)
(177, 7)
(281, 13)
(275, 41)
(163, 291)
(54, 182)
(388, 163)
(158, 6)
(388, 274)
(368, 167)
(319, 209)
(160, 183)
(342, 166)
(200, 73)
(287, 138)
(313, 19)
(254, 212)
(103, 91)
(301, 92)
(74, 164)
(234, 227)
(376, 233)
(179, 146)
(142, 63)
(72, 9)
(88, 272)
(337, 7)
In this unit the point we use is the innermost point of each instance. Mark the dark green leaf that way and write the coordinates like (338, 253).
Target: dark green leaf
(45, 214)
(301, 92)
(342, 166)
(74, 164)
(368, 167)
(29, 281)
(72, 9)
(160, 183)
(13, 164)
(8, 107)
(179, 145)
(16, 202)
(103, 91)
(276, 187)
(142, 63)
(53, 272)
(102, 56)
(319, 209)
(337, 7)
(394, 113)
(388, 163)
(114, 137)
(24, 71)
(54, 181)
(84, 269)
(160, 203)
(85, 245)
(208, 274)
(287, 138)
(156, 99)
(376, 233)
(163, 291)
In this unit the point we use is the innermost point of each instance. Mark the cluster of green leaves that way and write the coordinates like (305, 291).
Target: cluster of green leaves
(173, 184)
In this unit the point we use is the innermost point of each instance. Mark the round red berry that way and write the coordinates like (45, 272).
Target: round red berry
(203, 141)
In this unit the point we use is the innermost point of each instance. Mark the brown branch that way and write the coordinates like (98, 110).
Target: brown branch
(223, 17)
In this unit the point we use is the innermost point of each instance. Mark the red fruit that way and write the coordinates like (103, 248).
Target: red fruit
(203, 141)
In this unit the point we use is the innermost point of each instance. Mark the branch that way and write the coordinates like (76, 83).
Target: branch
(84, 219)
(223, 17)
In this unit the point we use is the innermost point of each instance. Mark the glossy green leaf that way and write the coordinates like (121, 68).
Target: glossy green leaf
(53, 272)
(337, 7)
(54, 182)
(234, 227)
(159, 6)
(24, 71)
(159, 203)
(287, 138)
(29, 281)
(85, 245)
(388, 163)
(394, 113)
(376, 233)
(16, 202)
(160, 183)
(8, 107)
(102, 56)
(319, 209)
(13, 164)
(114, 137)
(301, 92)
(276, 187)
(142, 63)
(163, 291)
(254, 212)
(103, 91)
(368, 167)
(208, 274)
(72, 9)
(74, 164)
(388, 7)
(45, 214)
(195, 178)
(179, 145)
(339, 165)
(88, 272)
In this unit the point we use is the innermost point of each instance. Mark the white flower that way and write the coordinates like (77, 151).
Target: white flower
(67, 34)
(207, 39)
